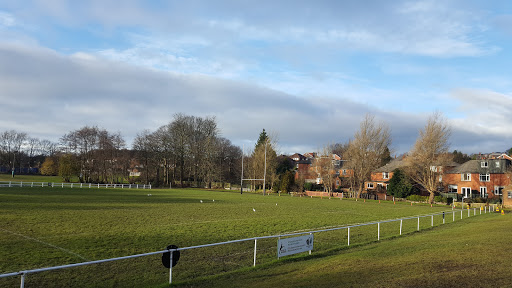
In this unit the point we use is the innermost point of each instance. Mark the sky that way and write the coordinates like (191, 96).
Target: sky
(305, 71)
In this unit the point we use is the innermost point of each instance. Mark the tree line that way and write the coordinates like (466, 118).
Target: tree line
(190, 151)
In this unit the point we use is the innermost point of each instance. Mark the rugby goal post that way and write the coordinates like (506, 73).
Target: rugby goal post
(242, 179)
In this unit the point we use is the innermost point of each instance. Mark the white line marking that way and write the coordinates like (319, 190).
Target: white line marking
(47, 244)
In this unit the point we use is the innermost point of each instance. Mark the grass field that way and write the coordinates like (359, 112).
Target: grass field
(43, 227)
(469, 253)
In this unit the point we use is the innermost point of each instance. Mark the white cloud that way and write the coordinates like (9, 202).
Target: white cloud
(6, 20)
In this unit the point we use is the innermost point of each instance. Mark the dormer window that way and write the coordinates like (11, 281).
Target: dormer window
(497, 164)
(385, 175)
(484, 164)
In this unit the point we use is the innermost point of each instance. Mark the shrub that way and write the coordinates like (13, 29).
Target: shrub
(496, 200)
(308, 186)
(417, 198)
(440, 199)
(479, 200)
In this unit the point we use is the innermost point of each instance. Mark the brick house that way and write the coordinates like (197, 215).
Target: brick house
(507, 196)
(484, 178)
(380, 177)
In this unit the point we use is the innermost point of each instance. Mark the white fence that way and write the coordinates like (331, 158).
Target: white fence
(73, 185)
(377, 236)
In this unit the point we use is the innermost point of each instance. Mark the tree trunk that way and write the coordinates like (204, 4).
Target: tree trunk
(431, 197)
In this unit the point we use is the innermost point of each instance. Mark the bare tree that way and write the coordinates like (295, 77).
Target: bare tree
(430, 154)
(142, 147)
(324, 167)
(366, 150)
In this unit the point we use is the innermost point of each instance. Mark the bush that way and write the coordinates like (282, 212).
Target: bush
(495, 200)
(440, 199)
(308, 186)
(479, 200)
(417, 198)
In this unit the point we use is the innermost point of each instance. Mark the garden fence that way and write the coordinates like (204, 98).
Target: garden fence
(359, 233)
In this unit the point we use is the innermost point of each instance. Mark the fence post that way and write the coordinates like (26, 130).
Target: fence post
(310, 250)
(348, 237)
(378, 231)
(461, 214)
(418, 223)
(453, 214)
(22, 280)
(432, 220)
(400, 226)
(255, 245)
(278, 238)
(468, 213)
(170, 266)
(474, 211)
(443, 217)
(9, 184)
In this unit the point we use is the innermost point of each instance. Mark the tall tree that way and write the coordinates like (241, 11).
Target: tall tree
(365, 152)
(399, 185)
(181, 129)
(265, 154)
(429, 154)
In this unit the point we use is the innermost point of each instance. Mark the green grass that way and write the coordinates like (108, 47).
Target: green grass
(41, 227)
(469, 253)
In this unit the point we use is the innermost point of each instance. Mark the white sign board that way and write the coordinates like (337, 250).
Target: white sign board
(289, 246)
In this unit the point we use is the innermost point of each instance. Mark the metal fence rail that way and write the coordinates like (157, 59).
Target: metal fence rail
(454, 216)
(73, 185)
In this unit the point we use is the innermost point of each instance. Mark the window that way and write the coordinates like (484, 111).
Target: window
(509, 194)
(498, 190)
(452, 188)
(483, 191)
(385, 175)
(369, 185)
(440, 178)
(344, 172)
(466, 191)
(497, 164)
(483, 164)
(485, 177)
(433, 168)
(465, 176)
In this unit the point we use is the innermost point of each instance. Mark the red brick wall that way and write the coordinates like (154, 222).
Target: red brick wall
(475, 183)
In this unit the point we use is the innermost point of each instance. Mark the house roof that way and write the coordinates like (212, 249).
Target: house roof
(475, 167)
(391, 166)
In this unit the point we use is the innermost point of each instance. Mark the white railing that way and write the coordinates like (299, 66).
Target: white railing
(454, 213)
(72, 185)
